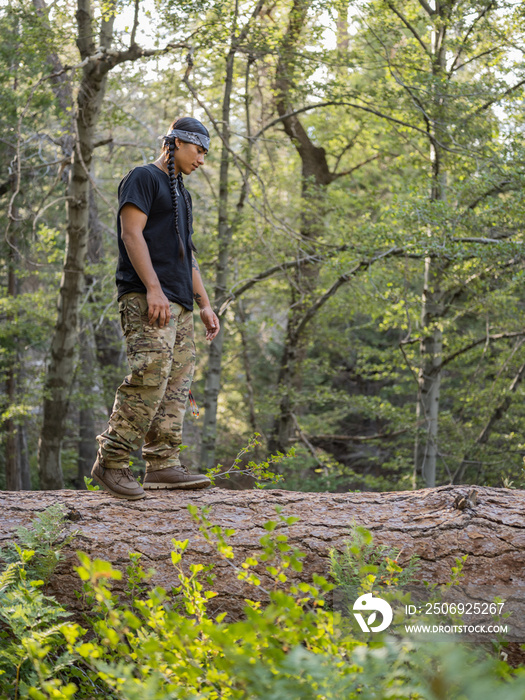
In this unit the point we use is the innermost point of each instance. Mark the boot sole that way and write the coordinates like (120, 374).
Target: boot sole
(114, 493)
(183, 485)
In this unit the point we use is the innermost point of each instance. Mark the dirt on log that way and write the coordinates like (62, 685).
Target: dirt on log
(437, 524)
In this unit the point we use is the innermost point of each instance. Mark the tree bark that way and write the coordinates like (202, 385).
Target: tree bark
(438, 525)
(426, 450)
(315, 177)
(245, 351)
(25, 472)
(213, 372)
(429, 379)
(99, 60)
(61, 366)
(225, 232)
(110, 351)
(87, 449)
(13, 476)
(343, 37)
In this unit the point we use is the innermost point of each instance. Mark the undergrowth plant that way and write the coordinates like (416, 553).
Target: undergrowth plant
(47, 536)
(363, 566)
(261, 472)
(32, 651)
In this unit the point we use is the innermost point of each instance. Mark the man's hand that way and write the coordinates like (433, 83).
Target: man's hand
(158, 307)
(210, 320)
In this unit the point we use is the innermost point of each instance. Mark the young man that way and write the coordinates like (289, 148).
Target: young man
(157, 280)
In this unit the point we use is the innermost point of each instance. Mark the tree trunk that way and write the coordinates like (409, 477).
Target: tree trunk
(211, 400)
(97, 62)
(427, 409)
(87, 449)
(226, 228)
(13, 476)
(213, 373)
(315, 177)
(438, 525)
(62, 361)
(25, 473)
(250, 402)
(110, 351)
(432, 310)
(343, 36)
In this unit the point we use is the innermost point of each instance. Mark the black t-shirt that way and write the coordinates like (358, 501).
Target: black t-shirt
(147, 187)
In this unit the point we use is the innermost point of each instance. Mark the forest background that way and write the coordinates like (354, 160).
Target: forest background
(358, 224)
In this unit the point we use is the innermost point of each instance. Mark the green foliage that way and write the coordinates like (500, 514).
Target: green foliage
(259, 471)
(32, 653)
(89, 484)
(158, 644)
(45, 538)
(365, 567)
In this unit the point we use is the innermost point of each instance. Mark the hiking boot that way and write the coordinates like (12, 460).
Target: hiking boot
(118, 482)
(175, 478)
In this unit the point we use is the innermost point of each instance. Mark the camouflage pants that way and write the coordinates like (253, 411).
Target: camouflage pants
(151, 401)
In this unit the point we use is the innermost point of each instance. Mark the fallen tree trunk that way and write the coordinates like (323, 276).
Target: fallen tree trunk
(438, 524)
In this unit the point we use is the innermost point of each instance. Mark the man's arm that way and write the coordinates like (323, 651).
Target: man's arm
(133, 221)
(208, 315)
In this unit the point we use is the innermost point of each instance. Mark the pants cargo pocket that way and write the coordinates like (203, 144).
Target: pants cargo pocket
(131, 315)
(148, 368)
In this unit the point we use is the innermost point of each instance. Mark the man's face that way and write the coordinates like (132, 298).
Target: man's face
(189, 156)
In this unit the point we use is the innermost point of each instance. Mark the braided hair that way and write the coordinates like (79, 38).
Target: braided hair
(176, 181)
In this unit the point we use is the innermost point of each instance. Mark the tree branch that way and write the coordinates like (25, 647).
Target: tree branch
(106, 60)
(135, 24)
(103, 142)
(485, 241)
(309, 259)
(356, 167)
(314, 308)
(256, 10)
(354, 106)
(479, 341)
(496, 99)
(281, 267)
(427, 8)
(287, 115)
(469, 31)
(305, 441)
(475, 58)
(497, 189)
(453, 293)
(363, 438)
(348, 146)
(409, 27)
(498, 413)
(400, 82)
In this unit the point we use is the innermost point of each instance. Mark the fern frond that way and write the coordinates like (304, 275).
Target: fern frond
(9, 576)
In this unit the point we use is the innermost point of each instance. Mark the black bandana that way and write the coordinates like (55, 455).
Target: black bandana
(192, 137)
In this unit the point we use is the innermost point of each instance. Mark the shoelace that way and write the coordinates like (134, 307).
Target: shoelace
(127, 472)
